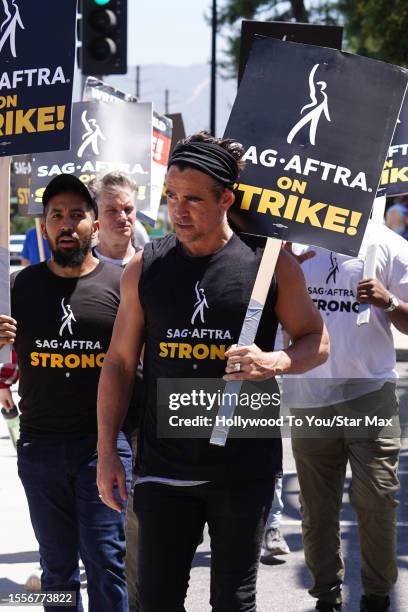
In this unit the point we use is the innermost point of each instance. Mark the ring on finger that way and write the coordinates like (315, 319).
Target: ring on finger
(237, 366)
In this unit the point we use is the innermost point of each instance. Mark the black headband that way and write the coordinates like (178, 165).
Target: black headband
(208, 158)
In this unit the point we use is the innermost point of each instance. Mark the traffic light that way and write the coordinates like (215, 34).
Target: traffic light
(104, 37)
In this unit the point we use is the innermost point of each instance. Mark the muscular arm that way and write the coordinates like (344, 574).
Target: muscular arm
(120, 363)
(116, 381)
(302, 322)
(300, 319)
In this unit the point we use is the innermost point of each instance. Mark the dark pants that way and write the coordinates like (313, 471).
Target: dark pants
(69, 519)
(236, 514)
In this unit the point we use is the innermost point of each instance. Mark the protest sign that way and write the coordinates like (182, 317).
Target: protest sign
(316, 124)
(311, 176)
(102, 140)
(395, 174)
(20, 181)
(178, 133)
(162, 130)
(147, 209)
(307, 33)
(98, 91)
(37, 57)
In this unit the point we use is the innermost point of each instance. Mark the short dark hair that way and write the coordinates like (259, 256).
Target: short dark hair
(232, 146)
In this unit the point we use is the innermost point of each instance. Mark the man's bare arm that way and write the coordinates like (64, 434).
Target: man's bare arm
(116, 382)
(300, 319)
(120, 363)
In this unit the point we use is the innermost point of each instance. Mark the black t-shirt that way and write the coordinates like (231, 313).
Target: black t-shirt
(194, 309)
(132, 418)
(64, 326)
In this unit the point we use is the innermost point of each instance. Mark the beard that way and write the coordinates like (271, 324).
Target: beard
(73, 257)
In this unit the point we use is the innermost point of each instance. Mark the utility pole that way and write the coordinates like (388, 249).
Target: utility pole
(166, 101)
(137, 81)
(213, 66)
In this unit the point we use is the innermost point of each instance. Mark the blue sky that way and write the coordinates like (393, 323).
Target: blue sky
(169, 31)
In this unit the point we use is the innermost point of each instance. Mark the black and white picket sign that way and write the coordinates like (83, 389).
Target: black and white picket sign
(20, 181)
(103, 140)
(37, 52)
(147, 208)
(307, 33)
(316, 124)
(395, 174)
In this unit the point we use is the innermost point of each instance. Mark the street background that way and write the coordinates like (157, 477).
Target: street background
(282, 585)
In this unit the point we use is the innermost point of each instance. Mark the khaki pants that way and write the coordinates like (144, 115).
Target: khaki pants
(132, 537)
(321, 467)
(132, 543)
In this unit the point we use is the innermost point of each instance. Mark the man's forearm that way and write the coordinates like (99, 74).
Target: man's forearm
(114, 393)
(372, 291)
(304, 354)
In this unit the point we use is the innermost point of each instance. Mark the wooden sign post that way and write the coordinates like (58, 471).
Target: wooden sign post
(248, 333)
(5, 352)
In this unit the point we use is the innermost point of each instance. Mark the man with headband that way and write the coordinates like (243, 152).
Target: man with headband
(185, 299)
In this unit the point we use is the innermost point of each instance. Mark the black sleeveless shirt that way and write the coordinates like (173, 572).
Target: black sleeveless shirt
(64, 326)
(194, 308)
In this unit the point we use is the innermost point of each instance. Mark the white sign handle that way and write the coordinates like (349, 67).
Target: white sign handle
(5, 352)
(248, 333)
(370, 262)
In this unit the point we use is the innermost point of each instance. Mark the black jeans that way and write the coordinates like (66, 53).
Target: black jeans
(171, 521)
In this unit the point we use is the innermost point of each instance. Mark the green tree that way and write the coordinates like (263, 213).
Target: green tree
(234, 10)
(376, 28)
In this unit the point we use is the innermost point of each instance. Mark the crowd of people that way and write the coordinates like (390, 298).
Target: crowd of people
(91, 352)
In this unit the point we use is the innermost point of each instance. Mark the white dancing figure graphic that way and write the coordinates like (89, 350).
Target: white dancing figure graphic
(67, 318)
(313, 116)
(91, 135)
(9, 26)
(200, 304)
(333, 269)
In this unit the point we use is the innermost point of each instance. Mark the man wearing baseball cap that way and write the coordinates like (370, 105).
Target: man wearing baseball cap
(66, 308)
